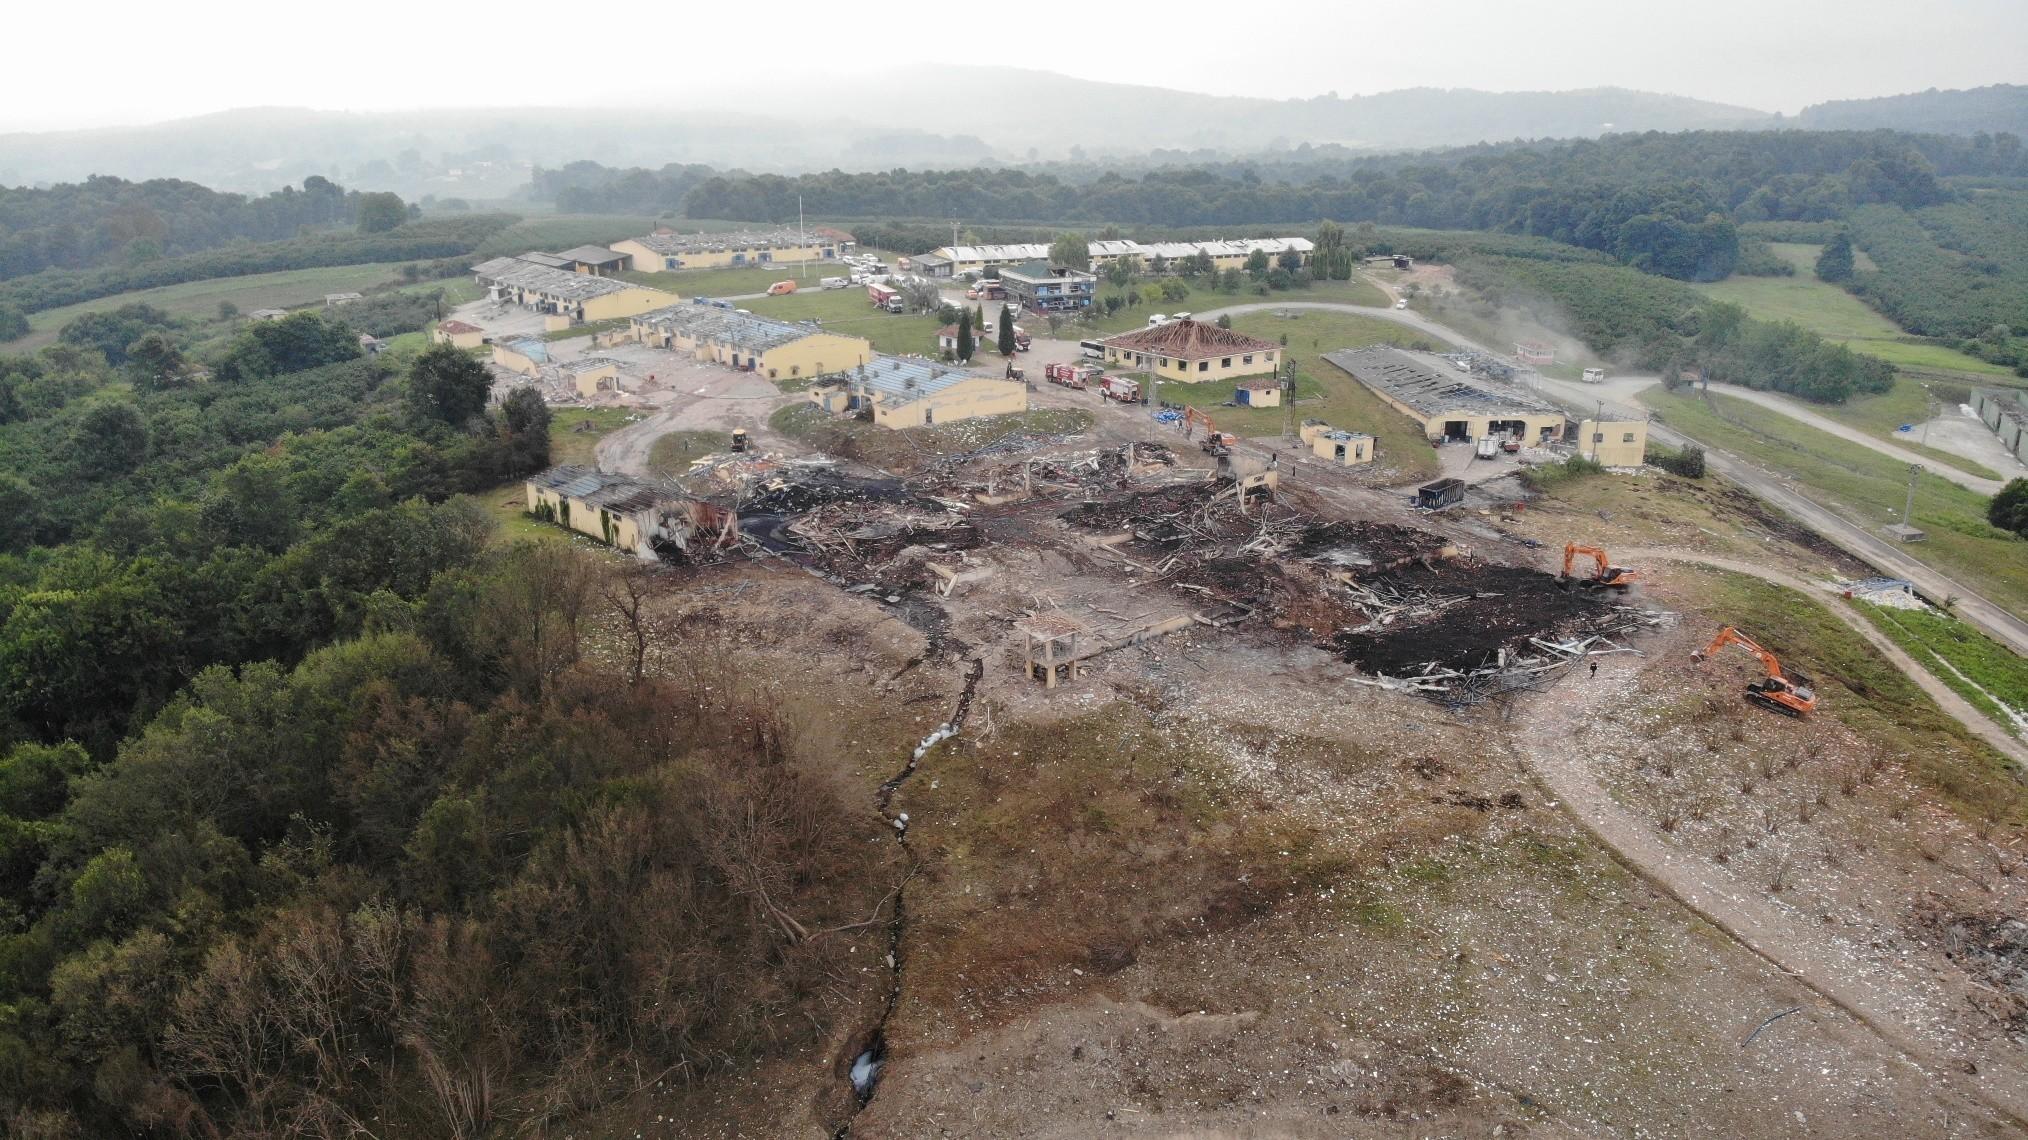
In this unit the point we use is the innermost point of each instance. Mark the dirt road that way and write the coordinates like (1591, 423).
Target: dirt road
(721, 401)
(1796, 411)
(1996, 620)
(1960, 709)
(1896, 997)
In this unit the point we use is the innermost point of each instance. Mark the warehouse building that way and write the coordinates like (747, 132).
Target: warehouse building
(898, 393)
(565, 296)
(957, 260)
(658, 252)
(593, 259)
(779, 350)
(1192, 352)
(1451, 407)
(646, 519)
(1042, 288)
(1445, 404)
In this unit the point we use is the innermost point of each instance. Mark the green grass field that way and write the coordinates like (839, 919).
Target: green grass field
(1973, 665)
(848, 311)
(199, 300)
(741, 281)
(1323, 391)
(1202, 300)
(1865, 486)
(1834, 314)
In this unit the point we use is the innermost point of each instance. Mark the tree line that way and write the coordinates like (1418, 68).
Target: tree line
(277, 705)
(435, 238)
(1668, 203)
(105, 221)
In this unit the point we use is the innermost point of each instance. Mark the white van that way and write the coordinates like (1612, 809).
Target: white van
(1594, 375)
(1091, 349)
(1158, 319)
(1179, 316)
(834, 282)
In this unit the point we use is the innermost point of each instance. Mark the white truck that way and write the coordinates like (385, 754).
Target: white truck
(885, 297)
(1594, 375)
(1489, 448)
(834, 282)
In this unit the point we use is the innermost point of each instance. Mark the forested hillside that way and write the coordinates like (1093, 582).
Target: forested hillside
(1664, 203)
(275, 705)
(105, 221)
(2000, 107)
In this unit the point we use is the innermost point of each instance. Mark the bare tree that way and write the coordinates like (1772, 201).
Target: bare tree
(626, 592)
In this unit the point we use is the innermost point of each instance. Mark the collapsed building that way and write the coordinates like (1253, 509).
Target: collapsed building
(644, 518)
(901, 393)
(775, 349)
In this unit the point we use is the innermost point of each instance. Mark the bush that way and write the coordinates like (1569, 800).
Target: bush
(1551, 475)
(1689, 462)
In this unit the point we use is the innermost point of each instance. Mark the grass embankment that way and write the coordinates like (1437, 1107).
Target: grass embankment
(848, 311)
(1906, 403)
(1976, 667)
(1866, 487)
(1203, 300)
(1865, 691)
(671, 454)
(906, 449)
(1834, 314)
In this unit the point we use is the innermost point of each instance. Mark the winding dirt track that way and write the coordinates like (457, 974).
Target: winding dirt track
(1960, 709)
(1898, 999)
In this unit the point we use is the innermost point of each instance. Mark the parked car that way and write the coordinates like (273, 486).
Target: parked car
(781, 288)
(1402, 303)
(834, 282)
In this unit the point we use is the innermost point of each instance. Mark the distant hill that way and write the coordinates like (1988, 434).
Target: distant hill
(2001, 107)
(940, 116)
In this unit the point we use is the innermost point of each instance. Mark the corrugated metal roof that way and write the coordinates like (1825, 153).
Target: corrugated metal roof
(620, 493)
(714, 325)
(557, 284)
(532, 347)
(1429, 390)
(907, 380)
(591, 255)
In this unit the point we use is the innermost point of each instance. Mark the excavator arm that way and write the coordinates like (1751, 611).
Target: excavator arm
(1604, 573)
(1789, 693)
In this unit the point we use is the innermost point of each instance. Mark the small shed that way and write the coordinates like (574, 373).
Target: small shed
(1261, 393)
(459, 334)
(590, 373)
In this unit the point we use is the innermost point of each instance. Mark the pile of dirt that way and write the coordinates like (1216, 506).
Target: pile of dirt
(1993, 949)
(1118, 512)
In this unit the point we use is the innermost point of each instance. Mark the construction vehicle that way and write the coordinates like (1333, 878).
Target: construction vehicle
(1604, 575)
(1215, 442)
(740, 442)
(1786, 692)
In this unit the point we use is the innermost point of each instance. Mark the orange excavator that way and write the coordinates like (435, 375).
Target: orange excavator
(1215, 442)
(1788, 693)
(1604, 574)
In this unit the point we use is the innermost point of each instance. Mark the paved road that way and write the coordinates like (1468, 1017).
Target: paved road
(1796, 410)
(1995, 619)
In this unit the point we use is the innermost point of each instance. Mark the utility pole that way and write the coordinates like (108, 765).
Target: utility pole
(1908, 508)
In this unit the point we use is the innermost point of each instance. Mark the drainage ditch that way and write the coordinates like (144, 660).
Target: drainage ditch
(872, 1057)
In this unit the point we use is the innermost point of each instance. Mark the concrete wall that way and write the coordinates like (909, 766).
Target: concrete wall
(1615, 443)
(474, 339)
(815, 354)
(588, 382)
(513, 361)
(965, 400)
(1176, 370)
(622, 531)
(1257, 397)
(2012, 432)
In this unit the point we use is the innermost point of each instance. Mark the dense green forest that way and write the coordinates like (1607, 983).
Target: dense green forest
(1666, 203)
(435, 238)
(276, 706)
(1957, 271)
(105, 221)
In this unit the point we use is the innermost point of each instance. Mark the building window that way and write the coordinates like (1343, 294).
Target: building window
(670, 263)
(1226, 363)
(1204, 366)
(1247, 359)
(1598, 437)
(1627, 438)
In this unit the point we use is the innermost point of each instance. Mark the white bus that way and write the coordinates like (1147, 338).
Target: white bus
(1094, 349)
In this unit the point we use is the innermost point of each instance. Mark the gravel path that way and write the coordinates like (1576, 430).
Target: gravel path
(1899, 998)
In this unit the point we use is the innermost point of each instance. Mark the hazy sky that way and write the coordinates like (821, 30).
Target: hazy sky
(99, 63)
